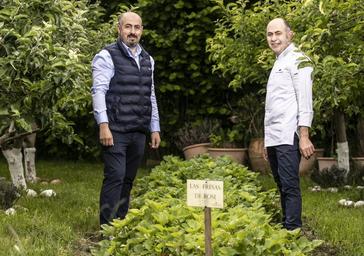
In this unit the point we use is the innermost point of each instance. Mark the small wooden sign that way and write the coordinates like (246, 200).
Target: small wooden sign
(205, 193)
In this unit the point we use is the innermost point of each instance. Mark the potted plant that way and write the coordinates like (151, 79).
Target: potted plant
(193, 138)
(250, 113)
(228, 142)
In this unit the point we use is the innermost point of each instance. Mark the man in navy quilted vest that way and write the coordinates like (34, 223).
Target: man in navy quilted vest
(125, 109)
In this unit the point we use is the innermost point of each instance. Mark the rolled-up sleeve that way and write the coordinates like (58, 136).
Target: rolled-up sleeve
(102, 72)
(302, 82)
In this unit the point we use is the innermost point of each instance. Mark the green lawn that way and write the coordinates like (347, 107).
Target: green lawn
(58, 226)
(54, 226)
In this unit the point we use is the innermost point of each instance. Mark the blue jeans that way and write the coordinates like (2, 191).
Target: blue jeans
(284, 161)
(121, 162)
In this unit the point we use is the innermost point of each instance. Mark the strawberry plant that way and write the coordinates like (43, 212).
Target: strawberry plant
(160, 223)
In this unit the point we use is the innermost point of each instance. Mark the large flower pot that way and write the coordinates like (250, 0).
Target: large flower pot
(257, 161)
(194, 150)
(238, 155)
(326, 162)
(307, 165)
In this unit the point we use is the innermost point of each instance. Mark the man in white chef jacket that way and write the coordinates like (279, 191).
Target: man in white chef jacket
(288, 116)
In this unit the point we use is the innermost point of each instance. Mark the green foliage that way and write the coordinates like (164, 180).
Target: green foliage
(195, 133)
(46, 48)
(161, 224)
(249, 115)
(239, 47)
(329, 32)
(175, 35)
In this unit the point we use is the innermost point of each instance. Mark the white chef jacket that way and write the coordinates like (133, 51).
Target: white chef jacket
(288, 102)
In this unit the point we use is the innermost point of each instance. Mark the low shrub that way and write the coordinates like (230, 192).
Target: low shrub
(160, 223)
(329, 177)
(8, 194)
(337, 177)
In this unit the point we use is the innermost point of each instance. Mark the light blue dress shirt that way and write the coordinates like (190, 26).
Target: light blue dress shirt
(102, 71)
(288, 102)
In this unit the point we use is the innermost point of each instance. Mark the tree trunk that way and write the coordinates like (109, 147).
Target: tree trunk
(14, 158)
(29, 157)
(360, 128)
(29, 165)
(342, 142)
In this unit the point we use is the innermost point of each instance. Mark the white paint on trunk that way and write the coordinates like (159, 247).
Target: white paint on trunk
(29, 164)
(343, 156)
(14, 158)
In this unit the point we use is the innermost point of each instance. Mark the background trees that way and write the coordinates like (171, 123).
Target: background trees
(45, 52)
(47, 47)
(330, 32)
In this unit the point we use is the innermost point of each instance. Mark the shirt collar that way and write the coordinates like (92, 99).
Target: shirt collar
(138, 50)
(286, 51)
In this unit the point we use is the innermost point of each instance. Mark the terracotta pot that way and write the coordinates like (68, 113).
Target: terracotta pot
(194, 150)
(307, 165)
(319, 152)
(326, 162)
(257, 162)
(358, 163)
(238, 155)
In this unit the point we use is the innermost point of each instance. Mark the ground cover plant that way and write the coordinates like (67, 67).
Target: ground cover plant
(160, 223)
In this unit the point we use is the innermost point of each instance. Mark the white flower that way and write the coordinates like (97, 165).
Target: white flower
(360, 187)
(48, 193)
(359, 204)
(348, 187)
(31, 193)
(10, 211)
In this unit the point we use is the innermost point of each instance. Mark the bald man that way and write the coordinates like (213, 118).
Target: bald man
(288, 116)
(125, 109)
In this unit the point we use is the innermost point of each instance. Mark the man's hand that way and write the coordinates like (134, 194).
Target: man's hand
(306, 147)
(155, 140)
(106, 138)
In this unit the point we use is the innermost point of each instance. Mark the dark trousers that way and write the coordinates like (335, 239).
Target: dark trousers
(121, 163)
(284, 161)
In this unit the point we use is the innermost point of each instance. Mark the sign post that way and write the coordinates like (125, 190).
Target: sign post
(207, 194)
(208, 240)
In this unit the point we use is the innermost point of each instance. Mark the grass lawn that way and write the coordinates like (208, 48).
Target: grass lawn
(54, 226)
(61, 225)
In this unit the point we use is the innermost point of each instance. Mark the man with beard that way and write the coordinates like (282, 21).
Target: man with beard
(125, 109)
(288, 116)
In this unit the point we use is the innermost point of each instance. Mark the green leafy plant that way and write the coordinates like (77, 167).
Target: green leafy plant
(161, 224)
(248, 115)
(195, 133)
(228, 138)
